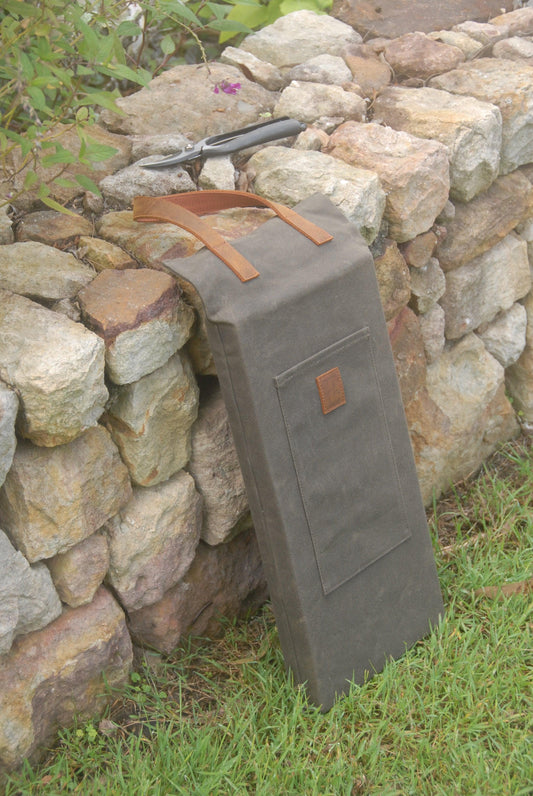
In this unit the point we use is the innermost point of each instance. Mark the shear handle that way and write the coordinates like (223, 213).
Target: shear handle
(226, 143)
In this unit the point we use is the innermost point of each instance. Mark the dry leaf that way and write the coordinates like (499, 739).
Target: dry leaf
(506, 589)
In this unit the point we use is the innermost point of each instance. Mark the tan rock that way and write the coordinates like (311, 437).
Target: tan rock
(214, 465)
(518, 22)
(408, 350)
(469, 46)
(467, 384)
(56, 367)
(39, 271)
(150, 421)
(428, 284)
(417, 252)
(226, 580)
(28, 600)
(393, 279)
(414, 173)
(267, 75)
(505, 337)
(153, 540)
(519, 377)
(52, 227)
(59, 674)
(487, 219)
(483, 32)
(368, 71)
(417, 55)
(311, 102)
(298, 36)
(515, 48)
(491, 283)
(508, 85)
(432, 324)
(53, 498)
(101, 254)
(141, 318)
(79, 571)
(472, 131)
(9, 405)
(289, 176)
(202, 111)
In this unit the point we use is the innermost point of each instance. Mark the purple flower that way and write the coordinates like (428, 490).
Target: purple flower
(227, 88)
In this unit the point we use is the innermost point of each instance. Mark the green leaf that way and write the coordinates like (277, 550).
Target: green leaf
(30, 179)
(129, 28)
(61, 155)
(288, 6)
(123, 72)
(170, 7)
(229, 25)
(96, 152)
(88, 184)
(167, 45)
(104, 99)
(38, 100)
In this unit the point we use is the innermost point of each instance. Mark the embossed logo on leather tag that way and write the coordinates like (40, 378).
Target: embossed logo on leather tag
(331, 390)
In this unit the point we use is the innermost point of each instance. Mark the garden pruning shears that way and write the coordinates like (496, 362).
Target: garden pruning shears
(227, 143)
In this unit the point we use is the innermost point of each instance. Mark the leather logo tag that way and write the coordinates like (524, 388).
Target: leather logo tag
(331, 390)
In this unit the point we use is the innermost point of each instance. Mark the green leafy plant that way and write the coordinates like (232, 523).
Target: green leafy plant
(257, 13)
(61, 62)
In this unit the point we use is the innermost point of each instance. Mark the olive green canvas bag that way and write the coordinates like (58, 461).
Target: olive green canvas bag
(301, 349)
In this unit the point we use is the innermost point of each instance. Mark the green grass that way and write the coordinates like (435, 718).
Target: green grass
(452, 717)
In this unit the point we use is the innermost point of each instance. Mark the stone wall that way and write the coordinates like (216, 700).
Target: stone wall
(123, 512)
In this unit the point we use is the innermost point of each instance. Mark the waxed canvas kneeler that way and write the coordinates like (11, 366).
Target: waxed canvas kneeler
(301, 349)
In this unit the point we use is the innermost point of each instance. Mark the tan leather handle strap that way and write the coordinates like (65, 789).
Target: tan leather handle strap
(181, 209)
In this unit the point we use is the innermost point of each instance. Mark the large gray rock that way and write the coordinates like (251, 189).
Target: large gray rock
(393, 18)
(183, 100)
(267, 75)
(121, 188)
(507, 84)
(214, 465)
(79, 571)
(414, 173)
(428, 284)
(61, 674)
(28, 600)
(467, 385)
(140, 316)
(289, 176)
(8, 414)
(478, 291)
(53, 498)
(298, 36)
(329, 69)
(38, 271)
(153, 540)
(311, 102)
(150, 421)
(472, 131)
(505, 337)
(57, 368)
